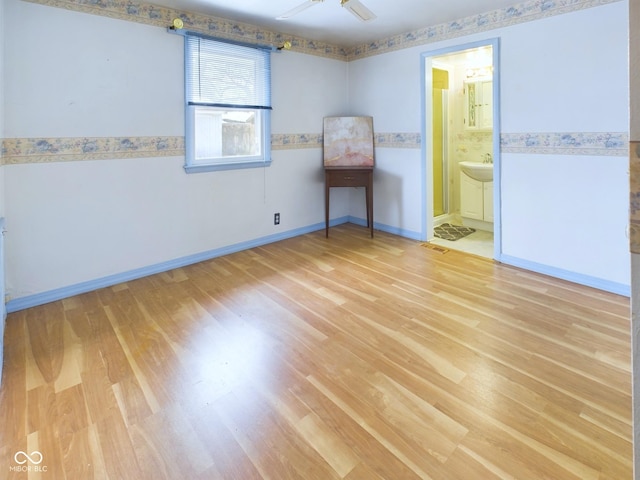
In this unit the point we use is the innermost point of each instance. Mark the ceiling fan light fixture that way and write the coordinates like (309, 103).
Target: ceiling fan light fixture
(361, 12)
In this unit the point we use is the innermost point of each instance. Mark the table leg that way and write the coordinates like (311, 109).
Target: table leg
(327, 189)
(366, 197)
(370, 204)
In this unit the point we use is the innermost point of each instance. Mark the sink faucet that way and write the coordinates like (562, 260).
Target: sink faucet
(487, 158)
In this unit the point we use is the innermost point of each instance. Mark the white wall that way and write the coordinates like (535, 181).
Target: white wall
(2, 108)
(634, 94)
(566, 73)
(387, 87)
(72, 222)
(85, 75)
(634, 69)
(2, 269)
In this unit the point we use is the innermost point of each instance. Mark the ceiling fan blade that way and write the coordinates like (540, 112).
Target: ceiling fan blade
(358, 10)
(298, 9)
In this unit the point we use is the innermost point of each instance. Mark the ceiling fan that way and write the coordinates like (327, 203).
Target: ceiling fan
(354, 6)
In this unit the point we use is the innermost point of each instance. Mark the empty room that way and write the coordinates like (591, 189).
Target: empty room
(321, 239)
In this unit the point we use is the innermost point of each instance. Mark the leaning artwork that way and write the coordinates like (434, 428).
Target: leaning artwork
(348, 142)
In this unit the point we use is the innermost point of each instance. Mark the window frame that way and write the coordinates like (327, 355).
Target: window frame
(194, 165)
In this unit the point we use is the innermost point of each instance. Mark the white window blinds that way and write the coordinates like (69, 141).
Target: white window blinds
(220, 74)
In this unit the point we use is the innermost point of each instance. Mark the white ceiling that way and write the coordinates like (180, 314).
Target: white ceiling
(329, 22)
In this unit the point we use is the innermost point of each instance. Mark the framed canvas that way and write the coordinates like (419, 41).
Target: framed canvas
(348, 142)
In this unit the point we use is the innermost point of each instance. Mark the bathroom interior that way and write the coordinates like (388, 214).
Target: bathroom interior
(463, 150)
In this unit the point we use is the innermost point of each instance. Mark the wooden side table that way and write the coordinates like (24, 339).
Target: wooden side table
(349, 177)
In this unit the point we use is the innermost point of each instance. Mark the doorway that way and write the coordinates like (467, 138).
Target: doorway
(461, 148)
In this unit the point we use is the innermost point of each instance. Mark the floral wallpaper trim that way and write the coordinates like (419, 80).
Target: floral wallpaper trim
(44, 150)
(150, 14)
(397, 140)
(500, 18)
(314, 140)
(290, 141)
(634, 187)
(600, 143)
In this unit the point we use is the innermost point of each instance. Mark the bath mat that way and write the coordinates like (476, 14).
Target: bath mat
(447, 231)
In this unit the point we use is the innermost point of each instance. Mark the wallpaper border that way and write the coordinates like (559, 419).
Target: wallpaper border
(150, 14)
(159, 16)
(571, 143)
(16, 151)
(504, 17)
(46, 150)
(289, 141)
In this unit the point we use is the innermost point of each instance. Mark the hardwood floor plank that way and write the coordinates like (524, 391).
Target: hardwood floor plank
(393, 441)
(77, 456)
(117, 449)
(363, 472)
(467, 464)
(165, 458)
(71, 361)
(131, 400)
(46, 442)
(330, 447)
(272, 446)
(97, 387)
(121, 396)
(230, 460)
(45, 326)
(373, 455)
(314, 358)
(620, 428)
(41, 407)
(503, 453)
(14, 393)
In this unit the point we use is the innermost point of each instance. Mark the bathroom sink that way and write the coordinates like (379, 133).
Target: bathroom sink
(483, 172)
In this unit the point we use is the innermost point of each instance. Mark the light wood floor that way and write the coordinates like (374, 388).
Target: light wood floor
(320, 358)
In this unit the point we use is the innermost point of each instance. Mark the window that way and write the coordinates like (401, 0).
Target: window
(228, 105)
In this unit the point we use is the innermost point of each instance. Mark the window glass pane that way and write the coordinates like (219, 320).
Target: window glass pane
(228, 134)
(227, 103)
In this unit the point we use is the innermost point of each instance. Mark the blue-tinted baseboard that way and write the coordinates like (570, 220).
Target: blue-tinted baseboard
(600, 284)
(59, 293)
(387, 228)
(65, 292)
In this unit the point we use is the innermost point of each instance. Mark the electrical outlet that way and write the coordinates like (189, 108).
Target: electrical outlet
(276, 219)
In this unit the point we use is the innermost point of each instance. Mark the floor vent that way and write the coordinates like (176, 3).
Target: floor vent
(435, 248)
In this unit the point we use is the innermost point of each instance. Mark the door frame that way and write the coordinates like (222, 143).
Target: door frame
(445, 145)
(426, 64)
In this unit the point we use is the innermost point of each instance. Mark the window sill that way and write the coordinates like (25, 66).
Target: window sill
(225, 166)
